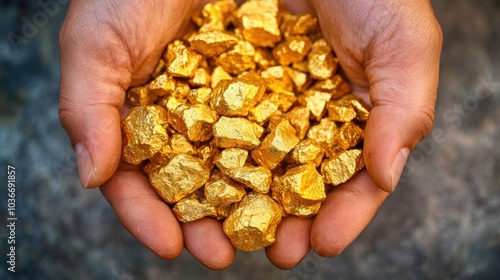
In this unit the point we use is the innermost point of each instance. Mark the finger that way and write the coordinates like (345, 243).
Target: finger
(344, 214)
(293, 242)
(102, 53)
(142, 212)
(397, 58)
(206, 241)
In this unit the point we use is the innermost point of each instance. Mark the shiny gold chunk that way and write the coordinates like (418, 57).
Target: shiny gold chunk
(177, 144)
(300, 191)
(276, 145)
(215, 16)
(262, 111)
(315, 101)
(342, 167)
(201, 78)
(299, 24)
(259, 22)
(141, 96)
(341, 110)
(251, 224)
(236, 133)
(218, 75)
(144, 133)
(191, 209)
(182, 89)
(277, 79)
(237, 59)
(337, 86)
(293, 49)
(300, 66)
(258, 178)
(171, 103)
(235, 97)
(150, 167)
(207, 154)
(213, 42)
(231, 158)
(194, 121)
(200, 95)
(362, 111)
(162, 85)
(299, 119)
(324, 133)
(320, 62)
(182, 61)
(183, 175)
(349, 135)
(308, 151)
(160, 68)
(263, 58)
(300, 79)
(221, 190)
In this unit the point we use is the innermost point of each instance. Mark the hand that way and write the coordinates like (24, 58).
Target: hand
(390, 51)
(106, 47)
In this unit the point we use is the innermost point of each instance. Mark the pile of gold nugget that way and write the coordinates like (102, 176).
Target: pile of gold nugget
(245, 120)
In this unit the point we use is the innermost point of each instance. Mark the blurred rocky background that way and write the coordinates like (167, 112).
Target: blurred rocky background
(442, 222)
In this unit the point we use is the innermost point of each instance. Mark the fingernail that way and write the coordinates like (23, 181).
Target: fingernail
(398, 165)
(85, 165)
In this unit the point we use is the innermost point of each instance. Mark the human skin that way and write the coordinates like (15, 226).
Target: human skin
(389, 50)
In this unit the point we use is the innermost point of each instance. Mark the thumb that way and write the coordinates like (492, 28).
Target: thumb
(103, 50)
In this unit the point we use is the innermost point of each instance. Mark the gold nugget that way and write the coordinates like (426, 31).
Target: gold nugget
(342, 167)
(251, 225)
(235, 133)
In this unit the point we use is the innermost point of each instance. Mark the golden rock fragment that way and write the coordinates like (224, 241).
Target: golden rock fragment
(182, 61)
(237, 59)
(213, 42)
(194, 121)
(259, 22)
(221, 190)
(160, 68)
(324, 133)
(235, 97)
(337, 86)
(258, 178)
(263, 58)
(341, 110)
(293, 49)
(349, 135)
(299, 24)
(262, 111)
(141, 96)
(315, 101)
(201, 78)
(215, 16)
(300, 190)
(180, 177)
(277, 79)
(236, 133)
(162, 85)
(300, 66)
(342, 167)
(218, 75)
(362, 111)
(150, 167)
(307, 151)
(321, 63)
(144, 133)
(191, 209)
(177, 144)
(251, 224)
(200, 95)
(171, 103)
(207, 154)
(276, 145)
(182, 89)
(299, 119)
(231, 158)
(300, 79)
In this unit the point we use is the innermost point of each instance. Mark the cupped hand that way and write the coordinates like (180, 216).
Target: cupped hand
(389, 50)
(106, 47)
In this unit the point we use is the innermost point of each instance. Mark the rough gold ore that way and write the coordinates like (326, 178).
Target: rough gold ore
(342, 166)
(251, 225)
(235, 97)
(276, 145)
(181, 176)
(300, 190)
(144, 133)
(257, 178)
(245, 119)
